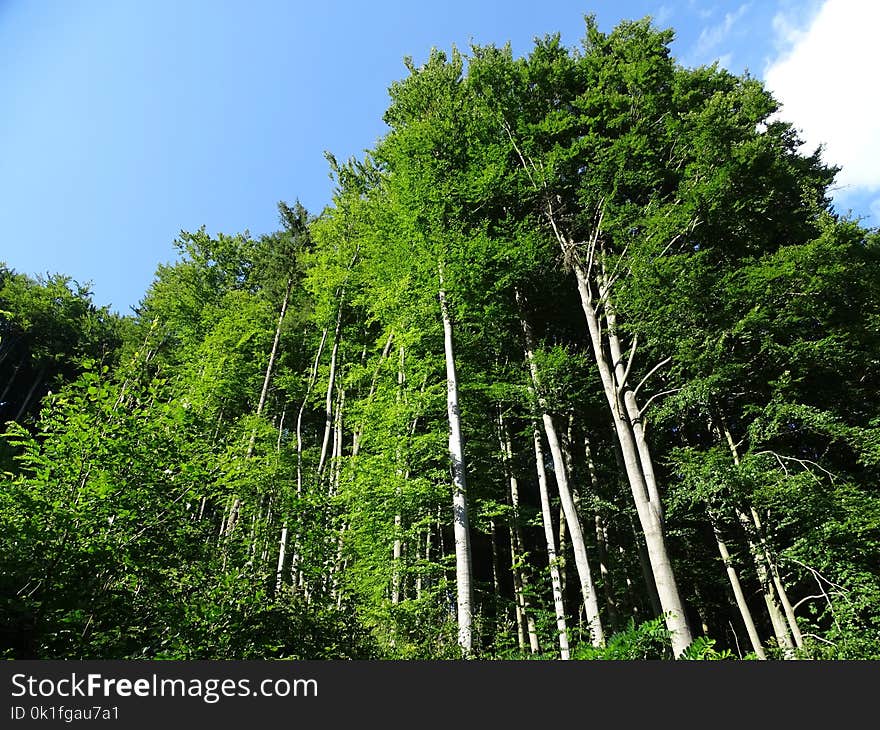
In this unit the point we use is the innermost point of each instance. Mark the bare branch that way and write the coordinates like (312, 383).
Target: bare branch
(804, 600)
(159, 519)
(656, 395)
(819, 638)
(819, 578)
(594, 238)
(802, 462)
(650, 373)
(615, 274)
(591, 255)
(519, 153)
(815, 572)
(629, 362)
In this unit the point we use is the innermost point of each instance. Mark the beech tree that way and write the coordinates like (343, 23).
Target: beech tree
(577, 363)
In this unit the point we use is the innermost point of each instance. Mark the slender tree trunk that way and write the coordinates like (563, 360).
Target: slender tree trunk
(422, 579)
(741, 604)
(272, 355)
(282, 549)
(232, 518)
(648, 510)
(515, 567)
(338, 566)
(578, 544)
(217, 426)
(313, 376)
(30, 394)
(773, 589)
(777, 582)
(517, 544)
(400, 476)
(281, 428)
(563, 551)
(336, 457)
(328, 401)
(395, 558)
(496, 578)
(602, 543)
(628, 396)
(588, 588)
(9, 383)
(459, 481)
(419, 559)
(359, 429)
(552, 557)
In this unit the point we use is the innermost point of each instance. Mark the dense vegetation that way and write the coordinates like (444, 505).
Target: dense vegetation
(578, 363)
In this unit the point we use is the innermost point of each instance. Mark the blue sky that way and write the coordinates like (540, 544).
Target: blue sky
(125, 122)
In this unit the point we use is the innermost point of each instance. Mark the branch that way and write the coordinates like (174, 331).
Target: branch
(591, 254)
(591, 243)
(689, 229)
(629, 362)
(615, 275)
(804, 600)
(802, 462)
(815, 572)
(657, 395)
(651, 372)
(819, 578)
(159, 520)
(519, 153)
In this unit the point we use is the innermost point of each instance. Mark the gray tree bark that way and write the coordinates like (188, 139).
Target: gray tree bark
(461, 526)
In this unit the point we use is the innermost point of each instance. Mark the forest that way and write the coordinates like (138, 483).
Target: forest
(579, 363)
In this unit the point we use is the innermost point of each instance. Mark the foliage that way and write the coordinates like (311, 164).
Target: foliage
(256, 463)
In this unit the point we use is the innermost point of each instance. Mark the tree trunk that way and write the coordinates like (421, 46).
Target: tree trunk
(742, 605)
(496, 578)
(358, 431)
(8, 385)
(272, 355)
(328, 401)
(547, 524)
(774, 592)
(461, 526)
(396, 554)
(517, 550)
(336, 459)
(647, 573)
(602, 543)
(621, 377)
(402, 476)
(648, 510)
(30, 394)
(282, 548)
(588, 588)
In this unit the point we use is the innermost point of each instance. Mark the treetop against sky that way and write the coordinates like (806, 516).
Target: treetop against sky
(125, 123)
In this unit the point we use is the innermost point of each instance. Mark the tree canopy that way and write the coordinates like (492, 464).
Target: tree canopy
(579, 362)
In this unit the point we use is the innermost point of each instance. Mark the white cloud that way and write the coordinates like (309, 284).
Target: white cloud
(826, 83)
(662, 15)
(724, 61)
(713, 35)
(700, 7)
